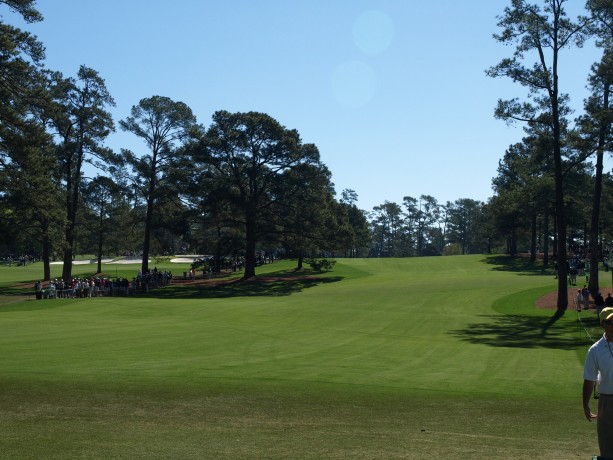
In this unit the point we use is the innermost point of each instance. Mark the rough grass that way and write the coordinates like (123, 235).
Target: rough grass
(403, 358)
(225, 420)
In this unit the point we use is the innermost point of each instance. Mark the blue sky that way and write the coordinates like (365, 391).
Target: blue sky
(393, 92)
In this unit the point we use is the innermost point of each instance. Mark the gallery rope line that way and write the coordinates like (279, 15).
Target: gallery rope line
(589, 341)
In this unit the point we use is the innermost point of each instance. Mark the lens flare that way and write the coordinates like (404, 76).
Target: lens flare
(354, 84)
(373, 32)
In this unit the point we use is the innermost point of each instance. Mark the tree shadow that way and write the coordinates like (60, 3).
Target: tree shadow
(519, 265)
(29, 304)
(522, 331)
(21, 290)
(257, 287)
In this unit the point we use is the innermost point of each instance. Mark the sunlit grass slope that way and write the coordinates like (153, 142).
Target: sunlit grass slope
(377, 359)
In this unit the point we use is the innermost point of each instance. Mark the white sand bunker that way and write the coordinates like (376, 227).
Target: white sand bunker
(128, 260)
(179, 259)
(83, 262)
(90, 261)
(187, 259)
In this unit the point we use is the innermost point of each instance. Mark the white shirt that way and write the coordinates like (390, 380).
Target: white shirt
(600, 361)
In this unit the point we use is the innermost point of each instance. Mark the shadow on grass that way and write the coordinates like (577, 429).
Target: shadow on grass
(522, 331)
(282, 283)
(520, 265)
(16, 291)
(279, 285)
(12, 294)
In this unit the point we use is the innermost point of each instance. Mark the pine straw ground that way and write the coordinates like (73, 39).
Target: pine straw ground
(549, 301)
(224, 279)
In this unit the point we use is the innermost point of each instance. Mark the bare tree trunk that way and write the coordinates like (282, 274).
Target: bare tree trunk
(250, 242)
(533, 237)
(300, 259)
(593, 285)
(546, 239)
(46, 255)
(147, 238)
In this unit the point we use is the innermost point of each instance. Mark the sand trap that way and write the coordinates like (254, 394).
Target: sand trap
(128, 260)
(191, 256)
(91, 261)
(187, 258)
(179, 259)
(83, 262)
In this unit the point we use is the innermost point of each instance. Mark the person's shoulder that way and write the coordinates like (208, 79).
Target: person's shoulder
(602, 343)
(598, 344)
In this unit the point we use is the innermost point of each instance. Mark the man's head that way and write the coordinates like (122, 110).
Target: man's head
(606, 316)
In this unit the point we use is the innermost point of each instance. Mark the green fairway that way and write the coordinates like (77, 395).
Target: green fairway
(441, 357)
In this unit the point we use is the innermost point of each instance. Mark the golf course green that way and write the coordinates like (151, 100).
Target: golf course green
(416, 358)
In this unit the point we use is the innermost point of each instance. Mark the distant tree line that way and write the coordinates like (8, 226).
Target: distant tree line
(423, 227)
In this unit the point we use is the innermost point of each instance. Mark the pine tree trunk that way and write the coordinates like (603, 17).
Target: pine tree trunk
(595, 222)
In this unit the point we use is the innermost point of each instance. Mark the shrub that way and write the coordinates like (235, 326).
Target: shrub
(201, 264)
(321, 265)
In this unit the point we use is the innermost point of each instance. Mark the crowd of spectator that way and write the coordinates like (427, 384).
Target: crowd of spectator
(21, 260)
(96, 286)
